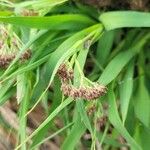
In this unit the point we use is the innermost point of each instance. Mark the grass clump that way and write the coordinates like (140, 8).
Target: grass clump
(73, 76)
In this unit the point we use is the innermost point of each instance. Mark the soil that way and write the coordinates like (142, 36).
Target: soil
(140, 5)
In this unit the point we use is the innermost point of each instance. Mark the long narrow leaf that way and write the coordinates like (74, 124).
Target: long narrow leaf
(116, 121)
(56, 22)
(120, 19)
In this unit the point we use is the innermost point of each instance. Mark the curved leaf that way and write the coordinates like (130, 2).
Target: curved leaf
(120, 19)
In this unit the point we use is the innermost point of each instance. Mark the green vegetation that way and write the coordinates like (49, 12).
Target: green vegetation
(73, 77)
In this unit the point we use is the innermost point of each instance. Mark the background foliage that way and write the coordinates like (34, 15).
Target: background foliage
(111, 48)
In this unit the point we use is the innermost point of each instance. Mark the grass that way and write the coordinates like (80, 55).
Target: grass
(108, 48)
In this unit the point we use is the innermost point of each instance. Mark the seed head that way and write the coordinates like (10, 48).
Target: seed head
(91, 109)
(65, 74)
(91, 93)
(66, 89)
(9, 46)
(87, 93)
(75, 93)
(27, 12)
(26, 55)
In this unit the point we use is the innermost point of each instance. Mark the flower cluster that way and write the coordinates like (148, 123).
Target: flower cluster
(83, 92)
(9, 46)
(90, 110)
(27, 12)
(65, 74)
(88, 93)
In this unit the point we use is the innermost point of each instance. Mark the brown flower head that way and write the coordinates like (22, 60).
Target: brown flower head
(91, 93)
(64, 73)
(28, 12)
(91, 109)
(66, 88)
(87, 93)
(9, 46)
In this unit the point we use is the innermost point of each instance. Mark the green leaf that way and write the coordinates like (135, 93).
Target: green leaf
(126, 88)
(142, 102)
(115, 66)
(7, 96)
(5, 13)
(120, 19)
(145, 136)
(55, 22)
(48, 119)
(116, 121)
(104, 46)
(53, 135)
(21, 86)
(76, 132)
(24, 99)
(118, 62)
(57, 94)
(4, 88)
(55, 103)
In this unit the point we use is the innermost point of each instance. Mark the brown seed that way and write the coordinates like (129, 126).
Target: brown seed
(27, 12)
(26, 55)
(65, 74)
(75, 93)
(66, 88)
(91, 109)
(102, 121)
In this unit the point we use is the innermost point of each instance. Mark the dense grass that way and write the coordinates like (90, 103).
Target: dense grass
(104, 50)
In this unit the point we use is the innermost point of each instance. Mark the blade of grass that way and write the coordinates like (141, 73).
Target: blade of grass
(55, 22)
(116, 121)
(24, 99)
(49, 118)
(104, 46)
(33, 64)
(75, 134)
(5, 87)
(5, 13)
(120, 19)
(7, 96)
(142, 103)
(57, 99)
(53, 135)
(109, 140)
(126, 88)
(118, 62)
(115, 66)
